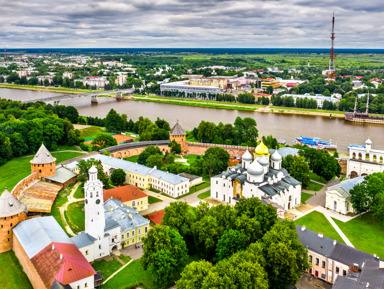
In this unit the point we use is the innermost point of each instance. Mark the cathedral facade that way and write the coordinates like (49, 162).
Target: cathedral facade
(261, 177)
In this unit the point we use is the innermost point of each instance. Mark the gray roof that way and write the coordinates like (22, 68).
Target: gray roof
(346, 283)
(189, 176)
(43, 156)
(311, 240)
(57, 285)
(372, 274)
(46, 228)
(125, 216)
(168, 177)
(9, 205)
(349, 255)
(346, 186)
(285, 151)
(83, 240)
(135, 145)
(177, 130)
(62, 175)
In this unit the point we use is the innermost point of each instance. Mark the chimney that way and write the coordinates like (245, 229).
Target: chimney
(381, 265)
(334, 242)
(53, 247)
(61, 256)
(303, 228)
(320, 235)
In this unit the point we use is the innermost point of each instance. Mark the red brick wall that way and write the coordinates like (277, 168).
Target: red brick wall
(200, 148)
(28, 267)
(44, 170)
(23, 183)
(136, 151)
(6, 233)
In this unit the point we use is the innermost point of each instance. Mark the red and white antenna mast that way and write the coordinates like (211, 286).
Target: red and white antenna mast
(332, 55)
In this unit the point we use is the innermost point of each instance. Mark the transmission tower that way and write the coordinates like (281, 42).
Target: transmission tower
(332, 55)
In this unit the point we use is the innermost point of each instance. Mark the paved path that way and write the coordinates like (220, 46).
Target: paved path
(319, 197)
(110, 277)
(64, 208)
(342, 235)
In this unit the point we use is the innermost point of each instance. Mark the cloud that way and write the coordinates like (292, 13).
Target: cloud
(186, 23)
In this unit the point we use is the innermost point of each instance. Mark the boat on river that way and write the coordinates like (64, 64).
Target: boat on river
(315, 142)
(363, 117)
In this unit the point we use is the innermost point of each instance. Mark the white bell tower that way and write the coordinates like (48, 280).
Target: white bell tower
(94, 206)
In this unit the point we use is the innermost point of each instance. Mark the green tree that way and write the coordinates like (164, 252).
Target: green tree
(230, 242)
(155, 160)
(298, 168)
(85, 165)
(147, 152)
(175, 147)
(118, 177)
(104, 140)
(194, 274)
(245, 131)
(215, 160)
(19, 147)
(114, 122)
(206, 233)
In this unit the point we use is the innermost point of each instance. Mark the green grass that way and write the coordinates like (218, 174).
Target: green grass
(75, 216)
(152, 200)
(132, 159)
(305, 197)
(342, 177)
(107, 268)
(125, 259)
(314, 186)
(365, 233)
(91, 132)
(282, 108)
(191, 158)
(199, 187)
(61, 199)
(204, 195)
(17, 169)
(317, 222)
(131, 276)
(317, 178)
(51, 88)
(12, 274)
(154, 190)
(79, 194)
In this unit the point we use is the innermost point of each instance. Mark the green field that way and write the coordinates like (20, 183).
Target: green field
(91, 132)
(318, 223)
(79, 194)
(317, 178)
(305, 197)
(131, 276)
(12, 274)
(191, 158)
(132, 159)
(204, 195)
(199, 187)
(44, 88)
(365, 233)
(75, 216)
(314, 186)
(107, 268)
(153, 200)
(17, 169)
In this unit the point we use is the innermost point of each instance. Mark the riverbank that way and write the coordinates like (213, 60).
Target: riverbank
(237, 106)
(43, 88)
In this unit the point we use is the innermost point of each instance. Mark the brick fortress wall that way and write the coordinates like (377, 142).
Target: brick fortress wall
(6, 233)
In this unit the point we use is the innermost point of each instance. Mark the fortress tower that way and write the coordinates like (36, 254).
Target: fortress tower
(178, 135)
(43, 163)
(12, 212)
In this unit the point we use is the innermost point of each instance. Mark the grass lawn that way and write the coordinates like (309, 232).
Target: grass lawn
(79, 194)
(366, 234)
(199, 187)
(152, 200)
(305, 197)
(91, 132)
(191, 158)
(60, 200)
(12, 274)
(314, 187)
(75, 216)
(131, 276)
(317, 222)
(317, 178)
(342, 177)
(204, 195)
(107, 268)
(132, 159)
(154, 190)
(17, 169)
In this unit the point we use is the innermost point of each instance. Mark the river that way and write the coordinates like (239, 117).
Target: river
(289, 127)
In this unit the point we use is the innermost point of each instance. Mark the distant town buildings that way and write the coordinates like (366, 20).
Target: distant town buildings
(318, 97)
(94, 81)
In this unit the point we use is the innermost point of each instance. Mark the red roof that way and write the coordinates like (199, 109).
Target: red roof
(93, 77)
(156, 217)
(124, 193)
(357, 76)
(291, 84)
(267, 79)
(65, 263)
(261, 94)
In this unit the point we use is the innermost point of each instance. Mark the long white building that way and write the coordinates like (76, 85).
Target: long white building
(183, 86)
(318, 97)
(260, 178)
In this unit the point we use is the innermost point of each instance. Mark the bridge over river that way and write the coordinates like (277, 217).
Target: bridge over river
(92, 96)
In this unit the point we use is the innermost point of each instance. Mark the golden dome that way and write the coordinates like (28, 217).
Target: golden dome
(262, 150)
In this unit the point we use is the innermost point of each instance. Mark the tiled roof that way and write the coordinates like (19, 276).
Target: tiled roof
(83, 240)
(136, 145)
(321, 245)
(347, 185)
(62, 262)
(169, 177)
(37, 233)
(57, 285)
(177, 130)
(124, 215)
(43, 156)
(124, 193)
(10, 206)
(62, 175)
(156, 217)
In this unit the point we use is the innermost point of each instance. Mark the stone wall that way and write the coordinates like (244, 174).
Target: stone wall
(6, 233)
(125, 153)
(200, 148)
(28, 267)
(20, 187)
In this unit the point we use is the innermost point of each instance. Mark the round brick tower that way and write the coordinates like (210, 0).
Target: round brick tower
(12, 212)
(178, 134)
(43, 163)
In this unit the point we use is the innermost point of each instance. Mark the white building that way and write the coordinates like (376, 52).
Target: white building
(96, 81)
(363, 160)
(183, 86)
(68, 74)
(260, 178)
(121, 79)
(318, 97)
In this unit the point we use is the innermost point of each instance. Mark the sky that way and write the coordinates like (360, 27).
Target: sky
(195, 24)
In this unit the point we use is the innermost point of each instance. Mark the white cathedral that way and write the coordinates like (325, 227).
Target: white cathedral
(259, 177)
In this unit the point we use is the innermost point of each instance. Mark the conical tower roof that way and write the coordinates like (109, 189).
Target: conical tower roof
(43, 156)
(177, 130)
(9, 205)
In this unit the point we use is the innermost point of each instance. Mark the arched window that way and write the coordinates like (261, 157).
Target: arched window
(133, 203)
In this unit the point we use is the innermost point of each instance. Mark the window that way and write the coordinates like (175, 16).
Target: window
(122, 236)
(133, 232)
(344, 273)
(317, 261)
(323, 275)
(146, 229)
(323, 264)
(337, 270)
(128, 234)
(86, 252)
(99, 246)
(310, 258)
(86, 285)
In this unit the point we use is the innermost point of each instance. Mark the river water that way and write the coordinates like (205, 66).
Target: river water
(289, 127)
